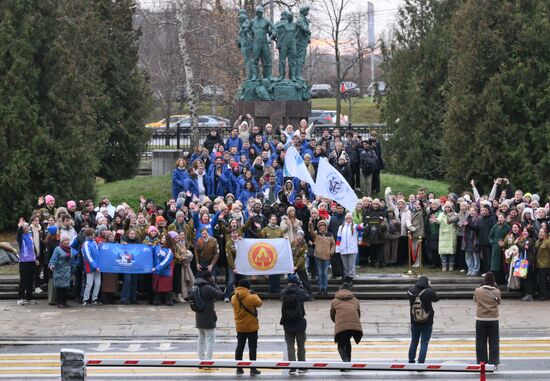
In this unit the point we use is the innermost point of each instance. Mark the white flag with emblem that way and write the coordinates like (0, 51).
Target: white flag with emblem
(264, 256)
(295, 166)
(331, 184)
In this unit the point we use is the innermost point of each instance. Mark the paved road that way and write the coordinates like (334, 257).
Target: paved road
(31, 337)
(522, 358)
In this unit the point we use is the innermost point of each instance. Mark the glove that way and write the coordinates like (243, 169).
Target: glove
(387, 192)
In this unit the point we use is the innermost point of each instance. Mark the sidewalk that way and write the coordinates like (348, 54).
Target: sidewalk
(380, 319)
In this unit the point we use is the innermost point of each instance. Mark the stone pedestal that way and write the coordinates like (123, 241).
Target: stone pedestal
(274, 112)
(164, 161)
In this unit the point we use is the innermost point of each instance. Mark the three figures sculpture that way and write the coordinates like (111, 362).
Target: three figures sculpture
(254, 41)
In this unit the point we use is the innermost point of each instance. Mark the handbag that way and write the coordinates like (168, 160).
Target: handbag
(521, 266)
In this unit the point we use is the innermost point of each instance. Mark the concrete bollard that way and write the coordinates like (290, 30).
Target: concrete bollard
(73, 365)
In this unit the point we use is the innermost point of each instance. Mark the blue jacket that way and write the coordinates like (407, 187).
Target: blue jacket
(178, 178)
(162, 257)
(241, 182)
(210, 225)
(245, 195)
(234, 142)
(221, 188)
(90, 253)
(192, 185)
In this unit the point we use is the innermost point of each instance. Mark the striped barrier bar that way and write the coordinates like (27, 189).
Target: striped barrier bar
(468, 368)
(482, 368)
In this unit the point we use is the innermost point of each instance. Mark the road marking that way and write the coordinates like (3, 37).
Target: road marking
(133, 348)
(102, 347)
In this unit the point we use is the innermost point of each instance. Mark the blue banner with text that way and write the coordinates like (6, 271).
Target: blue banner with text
(126, 259)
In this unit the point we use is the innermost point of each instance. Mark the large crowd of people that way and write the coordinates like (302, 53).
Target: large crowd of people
(227, 190)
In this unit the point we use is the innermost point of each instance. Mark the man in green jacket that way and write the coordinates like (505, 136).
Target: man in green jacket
(496, 239)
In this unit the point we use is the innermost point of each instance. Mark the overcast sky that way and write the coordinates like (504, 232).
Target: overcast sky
(385, 11)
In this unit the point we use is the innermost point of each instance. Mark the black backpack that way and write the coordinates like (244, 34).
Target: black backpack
(196, 302)
(369, 162)
(291, 309)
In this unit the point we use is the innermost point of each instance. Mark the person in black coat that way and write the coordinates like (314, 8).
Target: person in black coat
(336, 219)
(295, 329)
(421, 330)
(212, 139)
(206, 319)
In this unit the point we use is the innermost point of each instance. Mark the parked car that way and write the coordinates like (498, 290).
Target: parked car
(205, 121)
(212, 91)
(162, 123)
(377, 88)
(326, 117)
(321, 90)
(350, 88)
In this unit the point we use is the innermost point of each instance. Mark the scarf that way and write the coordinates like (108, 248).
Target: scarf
(66, 249)
(323, 214)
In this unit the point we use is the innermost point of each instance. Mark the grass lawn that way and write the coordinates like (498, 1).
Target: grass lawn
(409, 185)
(363, 110)
(160, 188)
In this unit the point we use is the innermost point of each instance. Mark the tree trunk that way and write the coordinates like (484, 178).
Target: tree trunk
(338, 82)
(167, 117)
(183, 26)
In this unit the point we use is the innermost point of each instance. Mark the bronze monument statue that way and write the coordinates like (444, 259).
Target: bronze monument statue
(303, 38)
(285, 35)
(254, 41)
(261, 49)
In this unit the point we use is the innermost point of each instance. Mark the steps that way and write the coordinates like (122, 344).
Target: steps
(386, 286)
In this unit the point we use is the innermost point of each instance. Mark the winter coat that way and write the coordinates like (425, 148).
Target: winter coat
(394, 229)
(26, 246)
(447, 233)
(63, 268)
(485, 225)
(178, 178)
(543, 254)
(487, 299)
(271, 232)
(245, 321)
(345, 312)
(496, 234)
(347, 238)
(210, 141)
(417, 224)
(299, 253)
(427, 298)
(324, 245)
(207, 251)
(470, 242)
(299, 325)
(290, 228)
(210, 292)
(90, 253)
(432, 230)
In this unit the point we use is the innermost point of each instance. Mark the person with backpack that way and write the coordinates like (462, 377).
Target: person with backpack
(245, 304)
(368, 161)
(293, 319)
(421, 297)
(201, 300)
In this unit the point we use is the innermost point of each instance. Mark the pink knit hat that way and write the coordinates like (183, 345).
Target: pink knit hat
(71, 204)
(152, 229)
(49, 198)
